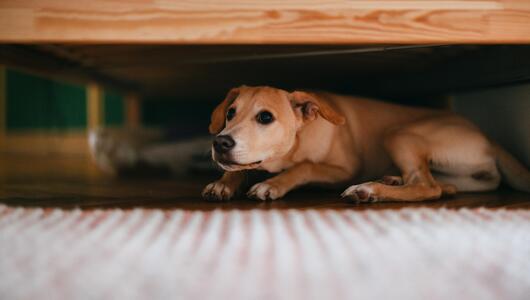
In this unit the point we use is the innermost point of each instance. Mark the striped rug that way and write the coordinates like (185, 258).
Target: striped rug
(278, 254)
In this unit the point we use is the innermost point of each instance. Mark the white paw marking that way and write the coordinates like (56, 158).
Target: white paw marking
(361, 193)
(217, 191)
(265, 191)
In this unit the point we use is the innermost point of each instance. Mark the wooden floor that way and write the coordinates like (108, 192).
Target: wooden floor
(71, 182)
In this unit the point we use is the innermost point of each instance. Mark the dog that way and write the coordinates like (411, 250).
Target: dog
(390, 152)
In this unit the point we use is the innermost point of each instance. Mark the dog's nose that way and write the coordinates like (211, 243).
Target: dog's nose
(223, 143)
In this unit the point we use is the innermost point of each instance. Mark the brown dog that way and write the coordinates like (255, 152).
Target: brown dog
(417, 154)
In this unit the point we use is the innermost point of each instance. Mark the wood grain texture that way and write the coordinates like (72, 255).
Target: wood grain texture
(261, 22)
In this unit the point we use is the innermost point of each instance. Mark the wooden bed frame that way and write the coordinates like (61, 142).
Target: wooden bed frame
(265, 22)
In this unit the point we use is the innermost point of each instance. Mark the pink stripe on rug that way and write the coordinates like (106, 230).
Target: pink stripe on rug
(284, 254)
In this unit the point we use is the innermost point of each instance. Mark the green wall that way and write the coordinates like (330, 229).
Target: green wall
(113, 108)
(35, 103)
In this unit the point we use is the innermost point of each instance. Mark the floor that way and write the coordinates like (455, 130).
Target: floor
(70, 182)
(206, 253)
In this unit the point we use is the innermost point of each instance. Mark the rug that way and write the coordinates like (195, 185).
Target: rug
(277, 254)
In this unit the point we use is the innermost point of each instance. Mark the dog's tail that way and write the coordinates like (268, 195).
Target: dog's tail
(513, 172)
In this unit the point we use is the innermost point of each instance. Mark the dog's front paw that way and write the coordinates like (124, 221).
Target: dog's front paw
(265, 191)
(218, 191)
(365, 192)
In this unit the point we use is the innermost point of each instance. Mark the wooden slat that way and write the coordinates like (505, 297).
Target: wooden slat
(3, 102)
(261, 22)
(94, 106)
(44, 61)
(132, 111)
(206, 72)
(184, 71)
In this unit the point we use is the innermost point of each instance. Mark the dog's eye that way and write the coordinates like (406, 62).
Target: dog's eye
(230, 114)
(265, 117)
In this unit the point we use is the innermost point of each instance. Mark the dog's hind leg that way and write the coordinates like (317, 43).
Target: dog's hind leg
(447, 189)
(408, 152)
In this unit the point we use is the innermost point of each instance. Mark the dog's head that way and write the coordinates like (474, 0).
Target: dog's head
(258, 124)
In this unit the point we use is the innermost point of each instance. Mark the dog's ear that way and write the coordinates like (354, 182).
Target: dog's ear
(310, 105)
(219, 114)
